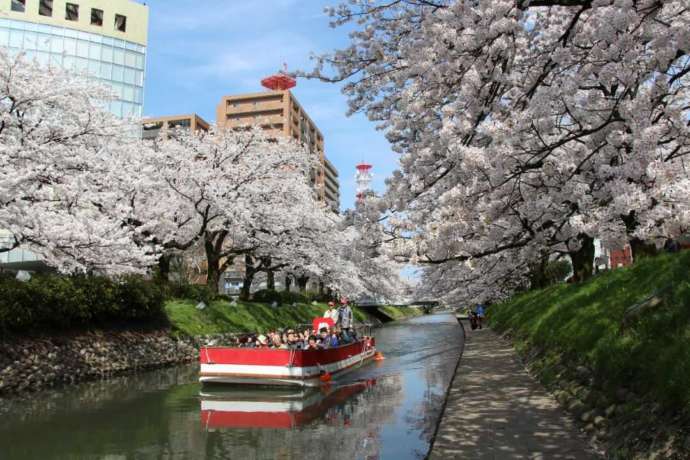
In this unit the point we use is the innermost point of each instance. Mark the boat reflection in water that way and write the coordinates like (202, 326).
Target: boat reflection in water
(277, 408)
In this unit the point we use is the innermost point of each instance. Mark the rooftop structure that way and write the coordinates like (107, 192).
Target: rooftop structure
(279, 113)
(279, 81)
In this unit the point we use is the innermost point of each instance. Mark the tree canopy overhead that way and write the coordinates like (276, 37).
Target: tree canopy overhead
(525, 128)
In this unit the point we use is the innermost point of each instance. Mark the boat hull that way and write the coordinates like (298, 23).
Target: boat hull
(281, 367)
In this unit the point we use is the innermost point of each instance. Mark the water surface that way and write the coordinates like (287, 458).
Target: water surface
(385, 410)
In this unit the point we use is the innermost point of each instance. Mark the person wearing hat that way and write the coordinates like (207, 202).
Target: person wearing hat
(332, 312)
(262, 341)
(293, 340)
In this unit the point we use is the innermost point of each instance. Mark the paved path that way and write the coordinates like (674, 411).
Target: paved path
(495, 410)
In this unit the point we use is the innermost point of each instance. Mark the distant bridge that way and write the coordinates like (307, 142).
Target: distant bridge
(373, 306)
(412, 303)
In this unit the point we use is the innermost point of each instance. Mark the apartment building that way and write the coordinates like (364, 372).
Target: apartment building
(152, 126)
(280, 114)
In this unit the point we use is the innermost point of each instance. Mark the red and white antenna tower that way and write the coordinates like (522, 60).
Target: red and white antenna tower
(279, 81)
(363, 178)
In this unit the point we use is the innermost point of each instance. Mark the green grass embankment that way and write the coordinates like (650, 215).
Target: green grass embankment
(629, 327)
(223, 317)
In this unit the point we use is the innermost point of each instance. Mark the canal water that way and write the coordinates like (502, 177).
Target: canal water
(383, 410)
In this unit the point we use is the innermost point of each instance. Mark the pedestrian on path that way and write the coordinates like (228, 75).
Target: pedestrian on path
(481, 312)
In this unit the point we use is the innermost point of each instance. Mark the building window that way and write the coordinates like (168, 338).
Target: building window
(71, 12)
(19, 5)
(120, 23)
(153, 126)
(179, 124)
(45, 8)
(96, 17)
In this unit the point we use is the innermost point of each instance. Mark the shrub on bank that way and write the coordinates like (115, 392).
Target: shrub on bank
(267, 296)
(281, 297)
(56, 302)
(198, 292)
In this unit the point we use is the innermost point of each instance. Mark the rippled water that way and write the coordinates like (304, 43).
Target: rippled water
(384, 410)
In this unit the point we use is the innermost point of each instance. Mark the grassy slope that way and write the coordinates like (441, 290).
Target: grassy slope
(650, 355)
(221, 316)
(398, 313)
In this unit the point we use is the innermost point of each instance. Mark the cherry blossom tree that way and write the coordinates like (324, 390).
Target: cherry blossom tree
(234, 192)
(301, 244)
(368, 268)
(56, 146)
(525, 128)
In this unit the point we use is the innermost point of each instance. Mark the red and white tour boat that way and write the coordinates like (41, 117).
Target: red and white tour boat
(270, 366)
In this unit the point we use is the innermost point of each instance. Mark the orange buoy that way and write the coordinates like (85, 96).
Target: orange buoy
(378, 356)
(325, 377)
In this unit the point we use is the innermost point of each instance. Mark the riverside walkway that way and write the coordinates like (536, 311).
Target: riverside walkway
(495, 410)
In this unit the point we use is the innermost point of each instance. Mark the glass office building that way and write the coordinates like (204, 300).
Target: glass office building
(104, 39)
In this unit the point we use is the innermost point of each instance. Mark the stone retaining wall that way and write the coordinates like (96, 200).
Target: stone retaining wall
(33, 364)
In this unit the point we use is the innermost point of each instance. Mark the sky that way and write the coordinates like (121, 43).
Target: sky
(196, 54)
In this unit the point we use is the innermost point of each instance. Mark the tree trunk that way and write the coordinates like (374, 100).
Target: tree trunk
(288, 282)
(302, 283)
(583, 259)
(537, 274)
(641, 249)
(322, 289)
(213, 246)
(163, 274)
(271, 280)
(249, 272)
(212, 266)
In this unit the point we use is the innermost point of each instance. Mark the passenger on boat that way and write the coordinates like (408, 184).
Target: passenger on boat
(313, 344)
(305, 335)
(324, 338)
(262, 341)
(332, 312)
(333, 339)
(250, 342)
(294, 341)
(345, 316)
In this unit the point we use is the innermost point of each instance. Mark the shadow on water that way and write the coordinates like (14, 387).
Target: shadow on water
(387, 409)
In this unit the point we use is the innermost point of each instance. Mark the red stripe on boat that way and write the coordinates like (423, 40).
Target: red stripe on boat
(276, 357)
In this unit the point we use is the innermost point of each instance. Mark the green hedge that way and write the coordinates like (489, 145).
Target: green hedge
(56, 302)
(198, 292)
